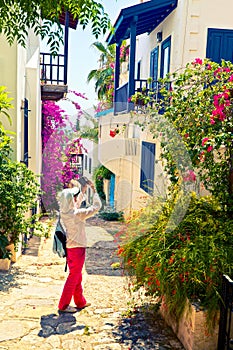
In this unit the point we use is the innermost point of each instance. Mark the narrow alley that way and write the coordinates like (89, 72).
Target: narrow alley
(30, 291)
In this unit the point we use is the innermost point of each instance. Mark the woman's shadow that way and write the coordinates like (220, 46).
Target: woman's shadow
(62, 323)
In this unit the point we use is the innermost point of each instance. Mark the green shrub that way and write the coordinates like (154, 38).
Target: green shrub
(111, 215)
(100, 174)
(19, 190)
(186, 262)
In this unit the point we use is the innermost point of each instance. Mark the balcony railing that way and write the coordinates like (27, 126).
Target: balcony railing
(53, 76)
(53, 69)
(122, 99)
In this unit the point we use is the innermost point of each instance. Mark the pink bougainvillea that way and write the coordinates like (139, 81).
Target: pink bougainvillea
(56, 169)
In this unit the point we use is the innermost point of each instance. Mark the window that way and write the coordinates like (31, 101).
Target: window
(154, 55)
(220, 45)
(85, 164)
(138, 70)
(165, 57)
(90, 165)
(147, 167)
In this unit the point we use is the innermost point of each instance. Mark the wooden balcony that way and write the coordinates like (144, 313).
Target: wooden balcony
(53, 77)
(54, 68)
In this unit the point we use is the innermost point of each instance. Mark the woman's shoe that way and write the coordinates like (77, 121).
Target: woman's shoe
(70, 309)
(83, 307)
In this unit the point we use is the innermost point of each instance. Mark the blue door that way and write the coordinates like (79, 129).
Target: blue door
(219, 45)
(147, 167)
(111, 191)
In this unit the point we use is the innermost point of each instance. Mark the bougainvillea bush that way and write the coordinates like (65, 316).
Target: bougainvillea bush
(58, 145)
(185, 259)
(199, 107)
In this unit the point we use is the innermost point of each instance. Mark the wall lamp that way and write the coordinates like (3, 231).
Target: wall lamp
(159, 37)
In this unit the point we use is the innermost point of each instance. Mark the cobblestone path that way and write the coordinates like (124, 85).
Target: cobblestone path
(30, 291)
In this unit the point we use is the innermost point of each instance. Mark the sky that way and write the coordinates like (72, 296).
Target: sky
(83, 58)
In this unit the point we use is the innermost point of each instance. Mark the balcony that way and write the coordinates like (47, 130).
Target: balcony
(122, 96)
(132, 22)
(53, 77)
(54, 68)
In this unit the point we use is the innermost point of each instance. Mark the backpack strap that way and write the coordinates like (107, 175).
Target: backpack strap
(59, 219)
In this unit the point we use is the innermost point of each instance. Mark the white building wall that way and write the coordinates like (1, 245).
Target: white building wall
(20, 73)
(187, 25)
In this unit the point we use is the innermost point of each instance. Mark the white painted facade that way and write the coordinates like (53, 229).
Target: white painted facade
(188, 28)
(20, 74)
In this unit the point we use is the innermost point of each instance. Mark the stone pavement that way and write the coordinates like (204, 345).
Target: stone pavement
(30, 291)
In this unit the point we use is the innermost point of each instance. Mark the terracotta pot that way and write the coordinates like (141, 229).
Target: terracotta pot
(191, 329)
(11, 248)
(5, 264)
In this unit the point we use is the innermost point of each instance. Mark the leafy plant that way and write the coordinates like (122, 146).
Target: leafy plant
(124, 51)
(19, 191)
(5, 103)
(182, 263)
(100, 174)
(104, 76)
(183, 256)
(111, 215)
(199, 107)
(18, 16)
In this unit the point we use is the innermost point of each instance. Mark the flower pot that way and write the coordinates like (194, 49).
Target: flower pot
(5, 264)
(191, 329)
(11, 248)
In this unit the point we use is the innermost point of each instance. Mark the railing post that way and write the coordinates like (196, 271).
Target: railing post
(131, 90)
(67, 20)
(116, 76)
(225, 341)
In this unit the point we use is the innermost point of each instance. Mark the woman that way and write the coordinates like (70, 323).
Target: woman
(73, 218)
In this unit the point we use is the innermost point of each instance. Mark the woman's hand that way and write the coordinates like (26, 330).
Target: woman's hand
(84, 188)
(92, 186)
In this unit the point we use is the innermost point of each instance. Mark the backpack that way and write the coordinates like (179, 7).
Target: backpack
(59, 240)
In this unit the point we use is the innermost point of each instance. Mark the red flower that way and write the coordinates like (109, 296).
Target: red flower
(190, 176)
(112, 133)
(204, 140)
(197, 61)
(157, 282)
(171, 260)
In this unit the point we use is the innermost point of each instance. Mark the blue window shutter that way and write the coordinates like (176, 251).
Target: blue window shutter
(25, 146)
(219, 45)
(90, 166)
(154, 63)
(147, 167)
(139, 70)
(165, 57)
